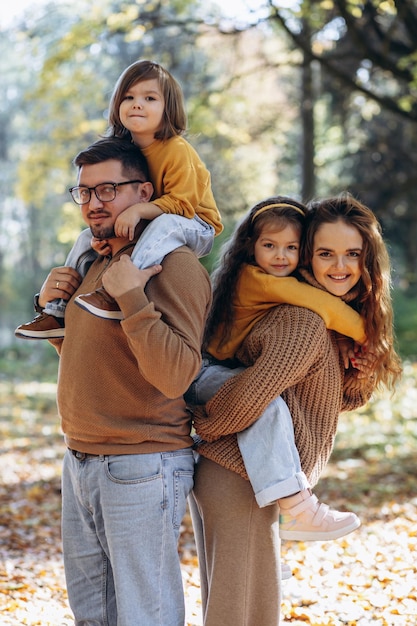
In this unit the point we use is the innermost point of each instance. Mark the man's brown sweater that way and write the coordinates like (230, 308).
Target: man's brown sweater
(288, 353)
(120, 384)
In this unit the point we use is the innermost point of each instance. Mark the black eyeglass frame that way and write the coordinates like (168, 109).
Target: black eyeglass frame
(90, 189)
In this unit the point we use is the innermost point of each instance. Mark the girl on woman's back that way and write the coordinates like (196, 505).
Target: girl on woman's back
(289, 352)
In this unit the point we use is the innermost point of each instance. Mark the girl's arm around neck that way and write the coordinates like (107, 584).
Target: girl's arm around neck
(128, 219)
(336, 314)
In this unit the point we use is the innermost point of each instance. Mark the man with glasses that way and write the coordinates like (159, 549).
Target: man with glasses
(129, 464)
(165, 233)
(49, 323)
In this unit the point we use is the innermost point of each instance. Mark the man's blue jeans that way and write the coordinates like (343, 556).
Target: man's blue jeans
(121, 517)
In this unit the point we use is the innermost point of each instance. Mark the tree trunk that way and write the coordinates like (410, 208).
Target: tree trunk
(307, 122)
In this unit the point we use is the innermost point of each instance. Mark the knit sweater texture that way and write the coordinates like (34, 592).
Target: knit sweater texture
(289, 352)
(120, 384)
(257, 292)
(181, 181)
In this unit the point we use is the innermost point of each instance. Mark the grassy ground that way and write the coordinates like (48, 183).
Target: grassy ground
(366, 578)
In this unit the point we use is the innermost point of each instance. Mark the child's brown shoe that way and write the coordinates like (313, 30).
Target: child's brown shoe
(44, 326)
(99, 303)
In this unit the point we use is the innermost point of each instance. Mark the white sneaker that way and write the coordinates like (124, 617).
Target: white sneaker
(304, 518)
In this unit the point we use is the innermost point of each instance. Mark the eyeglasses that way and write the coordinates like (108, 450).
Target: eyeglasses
(105, 192)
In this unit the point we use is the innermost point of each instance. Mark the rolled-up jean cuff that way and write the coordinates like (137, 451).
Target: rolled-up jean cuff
(282, 489)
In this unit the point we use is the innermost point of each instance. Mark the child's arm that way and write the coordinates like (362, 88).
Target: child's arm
(182, 182)
(128, 219)
(336, 314)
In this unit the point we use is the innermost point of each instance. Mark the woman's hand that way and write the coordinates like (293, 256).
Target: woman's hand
(346, 346)
(364, 361)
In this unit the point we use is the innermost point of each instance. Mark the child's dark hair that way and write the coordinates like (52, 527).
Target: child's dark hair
(277, 211)
(174, 120)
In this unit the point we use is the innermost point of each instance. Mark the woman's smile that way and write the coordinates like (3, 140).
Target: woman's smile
(336, 257)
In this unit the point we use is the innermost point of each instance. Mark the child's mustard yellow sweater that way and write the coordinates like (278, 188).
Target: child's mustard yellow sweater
(258, 292)
(181, 181)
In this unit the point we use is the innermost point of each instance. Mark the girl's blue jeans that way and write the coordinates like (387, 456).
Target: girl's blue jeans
(268, 447)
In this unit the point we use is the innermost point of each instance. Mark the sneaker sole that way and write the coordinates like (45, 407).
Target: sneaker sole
(107, 315)
(300, 535)
(46, 334)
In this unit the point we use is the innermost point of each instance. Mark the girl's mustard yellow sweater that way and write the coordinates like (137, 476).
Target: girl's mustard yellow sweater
(181, 181)
(258, 292)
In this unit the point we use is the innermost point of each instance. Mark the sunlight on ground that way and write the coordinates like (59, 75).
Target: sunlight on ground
(365, 579)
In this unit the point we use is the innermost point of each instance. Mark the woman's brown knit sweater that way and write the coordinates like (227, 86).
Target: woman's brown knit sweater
(288, 353)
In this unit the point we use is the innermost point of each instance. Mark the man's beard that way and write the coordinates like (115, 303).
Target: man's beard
(101, 232)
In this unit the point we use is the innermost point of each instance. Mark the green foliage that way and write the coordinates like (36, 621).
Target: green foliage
(23, 361)
(211, 260)
(390, 423)
(405, 309)
(242, 89)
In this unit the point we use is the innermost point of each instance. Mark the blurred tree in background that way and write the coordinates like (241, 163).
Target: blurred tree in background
(300, 97)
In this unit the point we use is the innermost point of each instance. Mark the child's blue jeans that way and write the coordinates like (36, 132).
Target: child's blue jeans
(268, 447)
(162, 235)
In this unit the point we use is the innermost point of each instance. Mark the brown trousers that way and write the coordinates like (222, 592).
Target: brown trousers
(238, 549)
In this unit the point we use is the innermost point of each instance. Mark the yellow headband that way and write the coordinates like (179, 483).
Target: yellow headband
(281, 205)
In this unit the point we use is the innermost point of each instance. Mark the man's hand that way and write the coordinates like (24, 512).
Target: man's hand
(122, 276)
(61, 282)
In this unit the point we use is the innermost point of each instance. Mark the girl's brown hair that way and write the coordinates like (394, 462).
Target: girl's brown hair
(174, 120)
(277, 211)
(373, 297)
